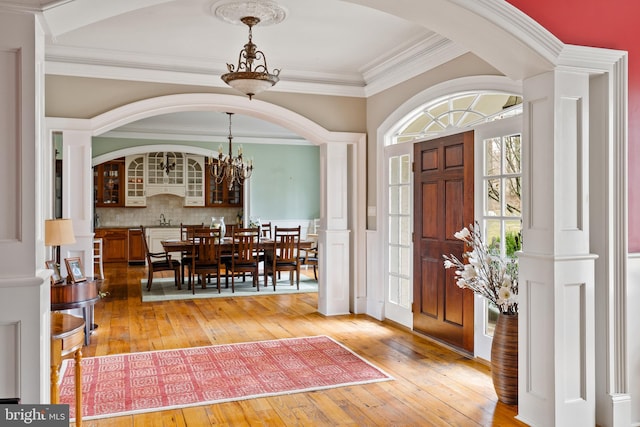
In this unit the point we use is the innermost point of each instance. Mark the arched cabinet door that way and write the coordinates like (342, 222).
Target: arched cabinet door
(135, 195)
(194, 180)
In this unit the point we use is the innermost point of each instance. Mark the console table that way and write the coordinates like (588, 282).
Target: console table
(84, 295)
(67, 336)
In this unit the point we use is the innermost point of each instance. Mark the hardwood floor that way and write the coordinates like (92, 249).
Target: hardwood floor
(432, 386)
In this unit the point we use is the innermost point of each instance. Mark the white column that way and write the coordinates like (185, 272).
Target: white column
(608, 197)
(333, 236)
(77, 195)
(24, 285)
(556, 328)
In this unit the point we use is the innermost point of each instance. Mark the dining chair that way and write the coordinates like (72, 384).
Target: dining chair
(206, 257)
(187, 230)
(310, 257)
(244, 258)
(159, 261)
(186, 233)
(266, 230)
(265, 233)
(97, 258)
(192, 252)
(284, 255)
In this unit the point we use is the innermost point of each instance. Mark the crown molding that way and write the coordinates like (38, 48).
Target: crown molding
(31, 6)
(514, 21)
(595, 59)
(418, 58)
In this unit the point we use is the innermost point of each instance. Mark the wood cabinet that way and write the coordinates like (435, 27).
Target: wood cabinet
(108, 184)
(220, 195)
(114, 244)
(137, 253)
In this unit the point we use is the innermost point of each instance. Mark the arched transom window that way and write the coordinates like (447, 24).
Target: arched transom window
(457, 111)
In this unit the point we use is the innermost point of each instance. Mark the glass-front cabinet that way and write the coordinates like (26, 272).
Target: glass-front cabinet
(130, 180)
(165, 173)
(220, 195)
(194, 171)
(108, 185)
(135, 193)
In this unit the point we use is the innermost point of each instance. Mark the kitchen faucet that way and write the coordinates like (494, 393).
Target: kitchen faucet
(163, 220)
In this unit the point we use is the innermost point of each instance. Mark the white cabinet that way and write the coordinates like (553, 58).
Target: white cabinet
(165, 173)
(135, 187)
(194, 179)
(179, 174)
(155, 235)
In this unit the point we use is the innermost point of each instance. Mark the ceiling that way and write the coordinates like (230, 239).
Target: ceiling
(328, 47)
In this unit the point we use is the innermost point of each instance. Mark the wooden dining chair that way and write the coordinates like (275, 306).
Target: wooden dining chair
(192, 253)
(244, 258)
(265, 233)
(186, 233)
(206, 257)
(265, 228)
(159, 261)
(310, 257)
(284, 255)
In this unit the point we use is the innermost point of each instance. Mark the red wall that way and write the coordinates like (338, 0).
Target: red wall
(614, 25)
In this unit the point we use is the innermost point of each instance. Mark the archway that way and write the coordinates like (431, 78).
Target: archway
(340, 151)
(378, 286)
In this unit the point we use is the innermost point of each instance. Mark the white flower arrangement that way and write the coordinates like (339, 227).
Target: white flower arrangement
(486, 274)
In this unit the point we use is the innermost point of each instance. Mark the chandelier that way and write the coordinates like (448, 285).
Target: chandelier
(227, 168)
(247, 77)
(167, 165)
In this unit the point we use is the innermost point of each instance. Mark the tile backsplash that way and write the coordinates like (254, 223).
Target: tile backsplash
(172, 207)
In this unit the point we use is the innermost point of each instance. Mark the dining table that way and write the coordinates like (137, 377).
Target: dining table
(226, 246)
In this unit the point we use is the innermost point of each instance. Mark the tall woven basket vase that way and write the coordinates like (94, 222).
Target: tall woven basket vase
(504, 358)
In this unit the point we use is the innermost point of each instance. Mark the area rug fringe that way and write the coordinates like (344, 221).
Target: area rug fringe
(325, 373)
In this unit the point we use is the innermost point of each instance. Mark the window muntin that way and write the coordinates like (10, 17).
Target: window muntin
(399, 228)
(457, 111)
(501, 218)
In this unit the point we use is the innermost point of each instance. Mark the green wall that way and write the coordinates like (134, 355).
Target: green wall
(285, 183)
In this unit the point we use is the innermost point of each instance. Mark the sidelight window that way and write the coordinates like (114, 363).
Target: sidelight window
(501, 216)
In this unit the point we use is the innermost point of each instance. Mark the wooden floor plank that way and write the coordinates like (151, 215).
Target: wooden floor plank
(432, 385)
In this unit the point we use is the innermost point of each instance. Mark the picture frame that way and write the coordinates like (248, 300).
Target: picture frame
(55, 277)
(74, 270)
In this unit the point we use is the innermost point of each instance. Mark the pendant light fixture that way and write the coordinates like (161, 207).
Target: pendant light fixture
(228, 168)
(251, 76)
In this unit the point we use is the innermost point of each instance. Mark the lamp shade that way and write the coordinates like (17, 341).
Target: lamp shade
(58, 232)
(250, 83)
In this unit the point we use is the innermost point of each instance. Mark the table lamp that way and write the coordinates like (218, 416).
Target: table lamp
(58, 232)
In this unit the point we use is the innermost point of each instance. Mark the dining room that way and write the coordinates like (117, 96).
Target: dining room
(170, 180)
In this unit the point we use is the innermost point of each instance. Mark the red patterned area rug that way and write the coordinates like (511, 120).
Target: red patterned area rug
(158, 380)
